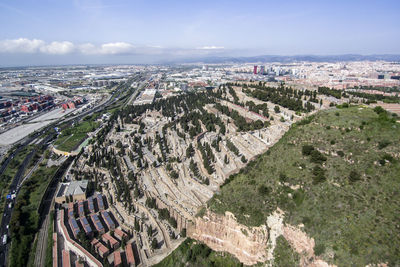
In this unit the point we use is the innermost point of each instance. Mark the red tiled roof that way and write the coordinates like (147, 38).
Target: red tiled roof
(108, 237)
(129, 254)
(64, 229)
(119, 232)
(65, 258)
(117, 258)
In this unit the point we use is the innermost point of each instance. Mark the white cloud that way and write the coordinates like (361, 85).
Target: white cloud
(87, 49)
(58, 48)
(116, 48)
(107, 48)
(21, 45)
(212, 47)
(24, 45)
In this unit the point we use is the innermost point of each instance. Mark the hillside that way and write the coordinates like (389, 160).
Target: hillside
(338, 174)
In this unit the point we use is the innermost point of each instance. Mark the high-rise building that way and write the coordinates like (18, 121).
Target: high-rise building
(262, 69)
(255, 69)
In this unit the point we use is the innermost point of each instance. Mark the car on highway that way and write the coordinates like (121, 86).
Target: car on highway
(4, 239)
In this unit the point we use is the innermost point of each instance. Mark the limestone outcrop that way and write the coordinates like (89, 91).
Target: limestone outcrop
(224, 233)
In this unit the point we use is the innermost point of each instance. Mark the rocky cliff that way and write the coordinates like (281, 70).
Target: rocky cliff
(223, 233)
(252, 245)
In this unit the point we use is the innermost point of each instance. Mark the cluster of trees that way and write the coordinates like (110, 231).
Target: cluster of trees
(330, 92)
(163, 145)
(373, 98)
(232, 147)
(207, 155)
(257, 108)
(233, 94)
(379, 88)
(239, 120)
(189, 151)
(283, 96)
(195, 170)
(163, 214)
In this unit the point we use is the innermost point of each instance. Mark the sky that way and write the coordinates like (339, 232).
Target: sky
(43, 32)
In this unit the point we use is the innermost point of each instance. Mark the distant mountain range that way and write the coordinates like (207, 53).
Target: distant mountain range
(296, 58)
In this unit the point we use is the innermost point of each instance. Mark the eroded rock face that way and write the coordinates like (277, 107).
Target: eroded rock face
(224, 233)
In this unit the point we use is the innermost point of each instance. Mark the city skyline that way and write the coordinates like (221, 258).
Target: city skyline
(93, 31)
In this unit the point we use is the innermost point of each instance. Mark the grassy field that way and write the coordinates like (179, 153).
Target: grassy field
(71, 138)
(346, 164)
(192, 253)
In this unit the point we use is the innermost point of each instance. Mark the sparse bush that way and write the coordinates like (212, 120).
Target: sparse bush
(319, 249)
(317, 157)
(354, 176)
(307, 149)
(379, 110)
(282, 177)
(319, 174)
(384, 143)
(263, 190)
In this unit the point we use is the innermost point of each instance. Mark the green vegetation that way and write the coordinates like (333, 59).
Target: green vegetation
(10, 171)
(25, 218)
(373, 98)
(192, 253)
(349, 198)
(284, 254)
(71, 138)
(330, 92)
(49, 249)
(284, 96)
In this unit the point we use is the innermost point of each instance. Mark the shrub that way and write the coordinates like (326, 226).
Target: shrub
(298, 197)
(282, 177)
(319, 174)
(263, 190)
(340, 153)
(382, 144)
(307, 149)
(354, 176)
(319, 249)
(317, 157)
(379, 110)
(388, 157)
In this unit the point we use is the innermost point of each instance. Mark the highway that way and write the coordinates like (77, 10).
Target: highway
(16, 182)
